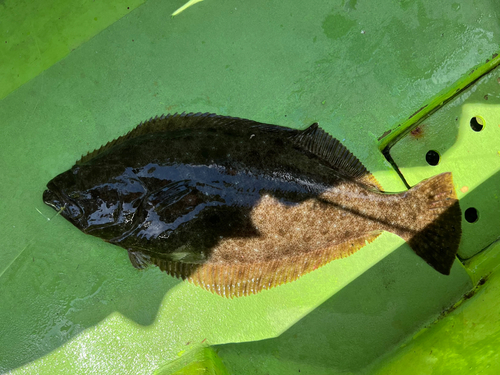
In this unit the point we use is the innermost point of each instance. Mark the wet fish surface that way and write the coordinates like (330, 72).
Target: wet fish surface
(236, 206)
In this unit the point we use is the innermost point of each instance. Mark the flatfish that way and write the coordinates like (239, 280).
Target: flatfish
(236, 206)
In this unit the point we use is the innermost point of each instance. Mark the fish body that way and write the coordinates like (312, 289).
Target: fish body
(238, 206)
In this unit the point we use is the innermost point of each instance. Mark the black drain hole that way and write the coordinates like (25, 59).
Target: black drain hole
(432, 157)
(477, 123)
(471, 215)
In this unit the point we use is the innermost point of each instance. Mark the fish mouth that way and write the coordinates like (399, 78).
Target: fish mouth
(50, 198)
(62, 203)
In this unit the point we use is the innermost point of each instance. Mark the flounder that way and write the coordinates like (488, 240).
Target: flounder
(236, 206)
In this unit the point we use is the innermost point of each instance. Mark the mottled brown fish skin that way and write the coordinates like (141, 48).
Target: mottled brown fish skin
(335, 217)
(237, 206)
(295, 240)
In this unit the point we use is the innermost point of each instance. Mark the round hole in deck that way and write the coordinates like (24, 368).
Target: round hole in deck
(432, 157)
(471, 215)
(477, 123)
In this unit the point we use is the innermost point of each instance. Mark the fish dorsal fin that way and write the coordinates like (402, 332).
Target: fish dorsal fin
(178, 121)
(320, 143)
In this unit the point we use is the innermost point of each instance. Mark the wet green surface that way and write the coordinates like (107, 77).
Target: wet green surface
(466, 341)
(198, 361)
(354, 327)
(394, 134)
(34, 35)
(73, 304)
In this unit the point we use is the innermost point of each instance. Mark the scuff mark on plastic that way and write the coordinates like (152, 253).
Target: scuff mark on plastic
(417, 111)
(386, 133)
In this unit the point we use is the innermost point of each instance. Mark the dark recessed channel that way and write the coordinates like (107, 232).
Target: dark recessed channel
(432, 157)
(477, 123)
(471, 215)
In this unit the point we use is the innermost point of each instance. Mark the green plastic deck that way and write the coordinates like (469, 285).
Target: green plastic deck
(472, 155)
(70, 303)
(466, 340)
(197, 361)
(37, 34)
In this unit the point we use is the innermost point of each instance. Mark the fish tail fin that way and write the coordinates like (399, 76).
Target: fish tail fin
(440, 226)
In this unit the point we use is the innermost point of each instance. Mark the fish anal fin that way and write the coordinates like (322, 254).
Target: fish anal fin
(335, 154)
(138, 259)
(240, 279)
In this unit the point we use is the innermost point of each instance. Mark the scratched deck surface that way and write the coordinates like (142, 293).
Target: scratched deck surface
(70, 302)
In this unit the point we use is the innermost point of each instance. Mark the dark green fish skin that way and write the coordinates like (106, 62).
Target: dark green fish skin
(175, 188)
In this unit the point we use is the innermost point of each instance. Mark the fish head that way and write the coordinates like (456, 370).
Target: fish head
(93, 202)
(60, 195)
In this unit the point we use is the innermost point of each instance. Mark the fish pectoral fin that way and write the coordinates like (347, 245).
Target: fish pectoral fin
(323, 145)
(139, 259)
(177, 264)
